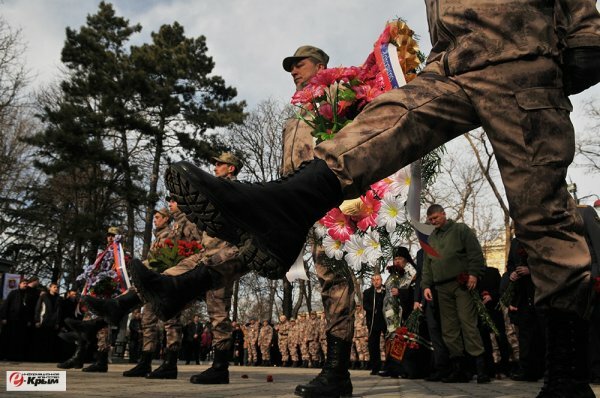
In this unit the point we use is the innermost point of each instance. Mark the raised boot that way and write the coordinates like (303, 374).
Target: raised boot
(269, 222)
(482, 375)
(168, 295)
(76, 361)
(101, 364)
(87, 329)
(563, 352)
(218, 373)
(334, 379)
(113, 310)
(143, 368)
(168, 369)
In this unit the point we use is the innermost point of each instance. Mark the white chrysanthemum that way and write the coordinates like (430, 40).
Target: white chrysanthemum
(371, 241)
(333, 248)
(356, 251)
(320, 230)
(399, 182)
(391, 212)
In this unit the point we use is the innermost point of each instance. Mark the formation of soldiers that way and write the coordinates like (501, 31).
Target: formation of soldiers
(302, 341)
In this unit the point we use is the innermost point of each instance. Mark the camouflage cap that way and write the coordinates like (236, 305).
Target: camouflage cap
(113, 231)
(163, 211)
(313, 313)
(316, 54)
(229, 158)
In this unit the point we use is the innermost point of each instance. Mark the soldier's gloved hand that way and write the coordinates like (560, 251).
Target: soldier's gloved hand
(581, 68)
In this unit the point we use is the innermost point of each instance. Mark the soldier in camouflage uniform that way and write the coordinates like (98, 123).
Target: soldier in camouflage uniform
(293, 342)
(303, 330)
(322, 335)
(361, 338)
(219, 253)
(313, 339)
(252, 339)
(265, 337)
(493, 64)
(283, 334)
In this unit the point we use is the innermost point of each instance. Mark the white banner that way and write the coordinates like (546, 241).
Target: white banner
(19, 380)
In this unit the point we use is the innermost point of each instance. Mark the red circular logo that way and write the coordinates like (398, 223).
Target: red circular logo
(16, 379)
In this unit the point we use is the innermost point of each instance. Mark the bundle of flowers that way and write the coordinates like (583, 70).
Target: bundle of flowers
(482, 312)
(169, 253)
(407, 337)
(335, 96)
(101, 278)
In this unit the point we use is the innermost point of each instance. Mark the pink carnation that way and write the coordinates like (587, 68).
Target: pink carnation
(340, 226)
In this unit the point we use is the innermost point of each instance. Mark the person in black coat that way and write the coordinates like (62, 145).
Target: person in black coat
(46, 326)
(14, 324)
(238, 344)
(373, 305)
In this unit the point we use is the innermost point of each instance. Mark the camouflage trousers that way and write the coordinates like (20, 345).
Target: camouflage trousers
(337, 293)
(173, 327)
(252, 352)
(293, 348)
(525, 113)
(284, 348)
(362, 348)
(313, 350)
(304, 350)
(265, 352)
(323, 343)
(218, 305)
(103, 336)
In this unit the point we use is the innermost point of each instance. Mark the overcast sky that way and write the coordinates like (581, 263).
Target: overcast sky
(246, 38)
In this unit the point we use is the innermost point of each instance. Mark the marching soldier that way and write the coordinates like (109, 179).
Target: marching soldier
(322, 335)
(265, 337)
(303, 338)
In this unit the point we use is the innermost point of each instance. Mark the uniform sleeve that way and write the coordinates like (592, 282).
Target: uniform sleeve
(475, 260)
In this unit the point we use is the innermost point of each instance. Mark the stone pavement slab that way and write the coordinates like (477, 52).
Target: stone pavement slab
(113, 384)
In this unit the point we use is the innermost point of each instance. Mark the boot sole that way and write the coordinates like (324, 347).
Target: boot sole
(199, 208)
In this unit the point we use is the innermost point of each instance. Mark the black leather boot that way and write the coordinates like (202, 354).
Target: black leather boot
(113, 310)
(168, 295)
(168, 369)
(269, 222)
(334, 379)
(305, 364)
(87, 329)
(458, 374)
(143, 368)
(482, 374)
(218, 373)
(296, 364)
(101, 364)
(564, 356)
(76, 361)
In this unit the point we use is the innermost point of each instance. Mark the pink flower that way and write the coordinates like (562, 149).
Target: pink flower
(326, 111)
(367, 92)
(381, 187)
(327, 77)
(340, 226)
(369, 210)
(307, 94)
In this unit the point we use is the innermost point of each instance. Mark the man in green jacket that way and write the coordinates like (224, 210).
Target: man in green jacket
(460, 256)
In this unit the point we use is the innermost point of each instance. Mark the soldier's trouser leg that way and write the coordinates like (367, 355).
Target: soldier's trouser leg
(149, 329)
(293, 347)
(525, 114)
(103, 336)
(337, 293)
(265, 352)
(218, 304)
(459, 320)
(313, 350)
(284, 349)
(173, 331)
(304, 351)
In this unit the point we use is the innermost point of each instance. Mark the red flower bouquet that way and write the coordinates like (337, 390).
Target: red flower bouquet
(169, 253)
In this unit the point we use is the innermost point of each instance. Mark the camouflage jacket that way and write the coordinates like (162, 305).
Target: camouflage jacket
(298, 145)
(472, 34)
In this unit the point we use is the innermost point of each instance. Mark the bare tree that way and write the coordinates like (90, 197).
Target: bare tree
(587, 150)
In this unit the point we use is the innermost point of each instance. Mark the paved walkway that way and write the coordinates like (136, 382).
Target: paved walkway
(112, 384)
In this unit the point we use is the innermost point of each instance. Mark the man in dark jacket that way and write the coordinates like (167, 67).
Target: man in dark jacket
(14, 324)
(373, 304)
